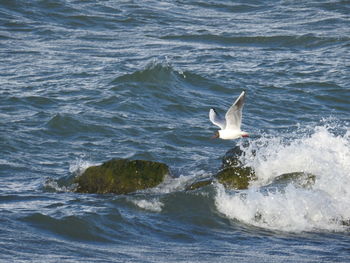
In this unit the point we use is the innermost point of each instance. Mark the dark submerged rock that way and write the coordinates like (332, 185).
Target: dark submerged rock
(199, 184)
(231, 158)
(121, 176)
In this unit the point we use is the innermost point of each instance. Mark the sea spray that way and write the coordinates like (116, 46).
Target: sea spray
(66, 183)
(79, 165)
(320, 153)
(324, 206)
(153, 205)
(292, 210)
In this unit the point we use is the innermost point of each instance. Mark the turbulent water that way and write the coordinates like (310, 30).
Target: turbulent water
(86, 81)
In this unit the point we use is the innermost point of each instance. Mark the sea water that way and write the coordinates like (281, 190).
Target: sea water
(86, 81)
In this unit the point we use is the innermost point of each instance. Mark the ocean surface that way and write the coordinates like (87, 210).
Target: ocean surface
(82, 82)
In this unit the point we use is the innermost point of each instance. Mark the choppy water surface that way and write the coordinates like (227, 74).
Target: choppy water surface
(86, 81)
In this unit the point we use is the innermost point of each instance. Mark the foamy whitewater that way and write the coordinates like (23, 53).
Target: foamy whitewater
(324, 206)
(153, 205)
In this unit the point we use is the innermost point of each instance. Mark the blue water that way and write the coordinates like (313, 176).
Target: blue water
(86, 81)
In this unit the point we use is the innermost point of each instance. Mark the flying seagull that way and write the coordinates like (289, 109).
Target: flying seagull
(230, 127)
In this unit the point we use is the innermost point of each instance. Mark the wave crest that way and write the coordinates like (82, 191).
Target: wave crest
(155, 72)
(324, 206)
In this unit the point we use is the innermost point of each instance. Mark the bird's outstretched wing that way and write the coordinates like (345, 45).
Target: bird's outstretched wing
(216, 119)
(234, 114)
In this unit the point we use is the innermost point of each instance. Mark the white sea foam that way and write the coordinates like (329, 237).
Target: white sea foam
(324, 206)
(51, 184)
(65, 184)
(79, 166)
(153, 205)
(172, 184)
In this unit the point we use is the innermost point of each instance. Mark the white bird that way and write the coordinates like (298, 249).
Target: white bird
(231, 125)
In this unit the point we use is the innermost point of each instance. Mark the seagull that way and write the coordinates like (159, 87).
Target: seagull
(230, 127)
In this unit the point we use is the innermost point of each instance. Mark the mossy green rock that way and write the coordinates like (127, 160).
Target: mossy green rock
(236, 177)
(233, 173)
(121, 176)
(299, 179)
(231, 177)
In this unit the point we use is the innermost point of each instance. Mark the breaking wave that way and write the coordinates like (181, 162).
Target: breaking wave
(324, 206)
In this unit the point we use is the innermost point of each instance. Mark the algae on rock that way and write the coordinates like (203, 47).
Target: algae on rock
(233, 173)
(236, 177)
(298, 179)
(121, 176)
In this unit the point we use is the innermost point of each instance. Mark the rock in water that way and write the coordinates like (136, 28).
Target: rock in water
(231, 158)
(299, 179)
(234, 174)
(121, 176)
(236, 177)
(199, 184)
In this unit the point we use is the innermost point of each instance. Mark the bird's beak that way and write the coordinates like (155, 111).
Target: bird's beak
(245, 135)
(216, 135)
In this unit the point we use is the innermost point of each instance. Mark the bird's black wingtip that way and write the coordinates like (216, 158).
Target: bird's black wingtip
(214, 110)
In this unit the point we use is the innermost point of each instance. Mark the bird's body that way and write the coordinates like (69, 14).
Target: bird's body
(231, 134)
(231, 124)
